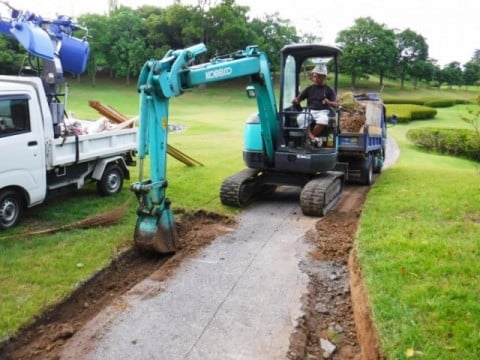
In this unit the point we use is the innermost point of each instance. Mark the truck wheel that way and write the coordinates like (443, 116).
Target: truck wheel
(111, 182)
(11, 209)
(367, 170)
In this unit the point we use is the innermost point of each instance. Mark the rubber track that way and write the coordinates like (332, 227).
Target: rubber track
(321, 194)
(235, 190)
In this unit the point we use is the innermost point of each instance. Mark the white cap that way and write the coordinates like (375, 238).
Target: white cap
(320, 69)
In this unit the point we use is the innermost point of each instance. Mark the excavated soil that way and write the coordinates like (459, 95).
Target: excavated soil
(336, 310)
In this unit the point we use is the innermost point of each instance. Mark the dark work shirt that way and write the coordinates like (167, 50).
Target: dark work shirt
(315, 95)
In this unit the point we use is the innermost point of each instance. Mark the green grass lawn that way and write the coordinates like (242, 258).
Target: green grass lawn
(418, 241)
(37, 271)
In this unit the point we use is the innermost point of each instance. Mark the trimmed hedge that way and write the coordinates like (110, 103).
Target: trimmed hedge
(458, 142)
(408, 112)
(400, 100)
(463, 102)
(439, 103)
(435, 102)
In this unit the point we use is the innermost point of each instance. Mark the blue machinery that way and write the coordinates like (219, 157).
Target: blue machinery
(50, 40)
(272, 152)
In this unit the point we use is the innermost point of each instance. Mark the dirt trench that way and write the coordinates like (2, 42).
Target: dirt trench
(335, 309)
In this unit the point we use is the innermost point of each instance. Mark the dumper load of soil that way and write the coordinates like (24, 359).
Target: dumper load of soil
(352, 116)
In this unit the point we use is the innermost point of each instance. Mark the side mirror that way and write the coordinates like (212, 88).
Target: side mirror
(251, 92)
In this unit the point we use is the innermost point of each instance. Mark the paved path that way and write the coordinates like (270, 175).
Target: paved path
(392, 153)
(240, 298)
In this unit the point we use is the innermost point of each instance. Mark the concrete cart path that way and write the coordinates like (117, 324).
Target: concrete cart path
(240, 298)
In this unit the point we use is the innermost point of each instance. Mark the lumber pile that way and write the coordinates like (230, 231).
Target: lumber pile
(109, 112)
(124, 122)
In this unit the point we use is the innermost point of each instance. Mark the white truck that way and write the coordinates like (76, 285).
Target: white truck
(37, 162)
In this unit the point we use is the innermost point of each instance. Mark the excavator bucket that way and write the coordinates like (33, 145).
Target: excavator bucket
(156, 233)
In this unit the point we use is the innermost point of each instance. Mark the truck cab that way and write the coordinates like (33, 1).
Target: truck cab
(21, 143)
(39, 162)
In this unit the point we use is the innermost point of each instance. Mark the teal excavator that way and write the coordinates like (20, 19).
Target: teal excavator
(276, 151)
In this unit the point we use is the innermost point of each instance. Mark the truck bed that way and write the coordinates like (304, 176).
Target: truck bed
(372, 135)
(81, 148)
(370, 139)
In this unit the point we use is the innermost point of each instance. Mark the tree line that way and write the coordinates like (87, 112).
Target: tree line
(123, 40)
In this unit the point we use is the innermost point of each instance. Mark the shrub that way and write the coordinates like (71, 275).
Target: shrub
(435, 102)
(400, 100)
(473, 119)
(439, 103)
(407, 112)
(400, 111)
(422, 112)
(459, 142)
(463, 102)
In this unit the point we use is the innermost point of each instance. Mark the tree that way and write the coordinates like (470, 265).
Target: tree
(452, 74)
(430, 72)
(413, 52)
(471, 73)
(98, 31)
(11, 55)
(476, 55)
(146, 11)
(368, 47)
(128, 49)
(227, 28)
(438, 76)
(418, 70)
(112, 6)
(272, 33)
(175, 27)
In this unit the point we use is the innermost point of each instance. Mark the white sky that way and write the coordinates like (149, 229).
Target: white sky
(452, 30)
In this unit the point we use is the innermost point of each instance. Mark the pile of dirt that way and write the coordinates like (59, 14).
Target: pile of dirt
(336, 309)
(352, 116)
(352, 122)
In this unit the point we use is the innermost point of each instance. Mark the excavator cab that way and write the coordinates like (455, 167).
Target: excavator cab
(295, 162)
(296, 63)
(294, 156)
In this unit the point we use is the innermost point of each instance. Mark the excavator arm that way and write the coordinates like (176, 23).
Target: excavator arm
(172, 76)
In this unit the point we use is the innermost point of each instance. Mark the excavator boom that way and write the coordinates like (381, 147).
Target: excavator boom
(171, 76)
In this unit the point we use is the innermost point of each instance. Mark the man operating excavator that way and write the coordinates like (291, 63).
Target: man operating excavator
(320, 99)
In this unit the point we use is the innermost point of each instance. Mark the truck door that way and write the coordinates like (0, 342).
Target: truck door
(22, 146)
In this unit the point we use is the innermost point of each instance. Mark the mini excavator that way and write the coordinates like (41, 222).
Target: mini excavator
(276, 151)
